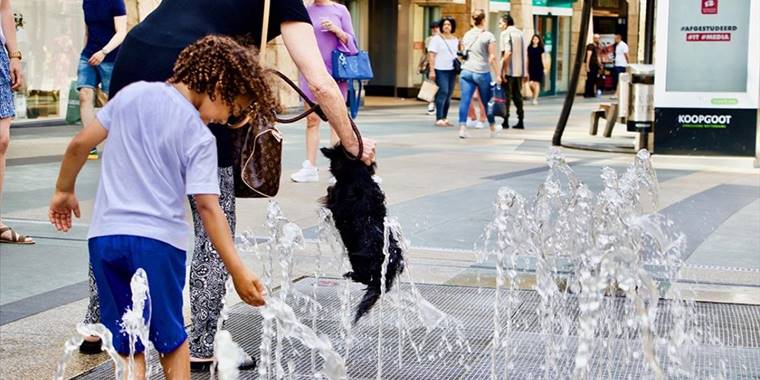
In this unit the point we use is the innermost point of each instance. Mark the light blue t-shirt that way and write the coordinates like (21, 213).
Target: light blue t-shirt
(158, 151)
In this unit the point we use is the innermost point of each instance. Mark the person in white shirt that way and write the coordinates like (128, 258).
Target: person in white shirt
(621, 58)
(441, 54)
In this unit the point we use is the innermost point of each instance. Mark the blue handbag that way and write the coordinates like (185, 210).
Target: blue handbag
(352, 67)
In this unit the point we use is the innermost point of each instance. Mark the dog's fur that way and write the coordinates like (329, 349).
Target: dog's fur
(358, 207)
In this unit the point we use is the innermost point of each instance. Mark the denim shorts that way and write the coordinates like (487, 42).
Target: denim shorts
(89, 76)
(114, 260)
(7, 108)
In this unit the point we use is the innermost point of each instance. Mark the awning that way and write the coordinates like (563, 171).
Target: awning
(553, 7)
(499, 6)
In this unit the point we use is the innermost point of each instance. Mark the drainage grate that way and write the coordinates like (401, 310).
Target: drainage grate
(733, 350)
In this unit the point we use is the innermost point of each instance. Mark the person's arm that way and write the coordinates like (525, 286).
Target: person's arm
(9, 29)
(301, 43)
(344, 32)
(247, 285)
(120, 24)
(64, 201)
(492, 60)
(588, 60)
(431, 62)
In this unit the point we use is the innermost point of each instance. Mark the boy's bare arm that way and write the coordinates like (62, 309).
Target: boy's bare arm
(64, 202)
(76, 154)
(248, 286)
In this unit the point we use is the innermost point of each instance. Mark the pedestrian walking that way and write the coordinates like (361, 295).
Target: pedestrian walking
(480, 60)
(443, 51)
(535, 66)
(620, 59)
(424, 64)
(593, 64)
(333, 30)
(148, 54)
(11, 79)
(513, 68)
(164, 124)
(476, 114)
(106, 27)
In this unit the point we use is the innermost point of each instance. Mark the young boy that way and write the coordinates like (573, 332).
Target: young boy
(157, 151)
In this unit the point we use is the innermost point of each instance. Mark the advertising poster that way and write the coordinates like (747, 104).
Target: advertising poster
(707, 80)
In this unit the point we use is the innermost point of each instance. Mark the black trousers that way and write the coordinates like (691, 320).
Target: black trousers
(514, 93)
(592, 79)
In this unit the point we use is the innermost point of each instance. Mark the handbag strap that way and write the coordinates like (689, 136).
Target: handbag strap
(313, 108)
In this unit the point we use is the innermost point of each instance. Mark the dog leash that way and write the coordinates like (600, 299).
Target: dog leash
(315, 108)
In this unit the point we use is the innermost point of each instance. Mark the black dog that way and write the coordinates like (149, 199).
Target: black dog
(358, 208)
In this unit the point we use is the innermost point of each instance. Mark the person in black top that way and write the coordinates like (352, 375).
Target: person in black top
(593, 65)
(148, 54)
(535, 66)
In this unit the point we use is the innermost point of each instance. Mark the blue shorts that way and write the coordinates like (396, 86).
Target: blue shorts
(89, 76)
(114, 260)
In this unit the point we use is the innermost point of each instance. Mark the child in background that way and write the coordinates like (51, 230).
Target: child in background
(158, 149)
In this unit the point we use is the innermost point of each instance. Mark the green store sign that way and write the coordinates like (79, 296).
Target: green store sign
(544, 3)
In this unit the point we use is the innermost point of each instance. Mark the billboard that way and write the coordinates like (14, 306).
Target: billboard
(707, 80)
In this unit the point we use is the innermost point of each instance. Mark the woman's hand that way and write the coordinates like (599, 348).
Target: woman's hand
(368, 153)
(330, 26)
(97, 58)
(17, 76)
(432, 75)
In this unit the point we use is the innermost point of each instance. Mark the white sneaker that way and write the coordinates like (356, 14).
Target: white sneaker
(431, 109)
(479, 125)
(464, 135)
(471, 123)
(308, 173)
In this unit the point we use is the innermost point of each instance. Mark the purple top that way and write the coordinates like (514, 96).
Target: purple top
(328, 41)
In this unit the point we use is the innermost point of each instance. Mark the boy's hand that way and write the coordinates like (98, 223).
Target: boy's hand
(249, 288)
(61, 207)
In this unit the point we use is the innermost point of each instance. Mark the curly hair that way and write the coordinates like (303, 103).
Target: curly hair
(219, 66)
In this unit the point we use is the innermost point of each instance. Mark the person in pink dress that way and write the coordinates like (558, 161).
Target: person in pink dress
(333, 28)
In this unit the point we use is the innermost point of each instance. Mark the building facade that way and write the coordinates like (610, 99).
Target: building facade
(51, 36)
(393, 31)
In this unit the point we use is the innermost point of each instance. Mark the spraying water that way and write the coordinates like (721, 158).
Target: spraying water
(136, 321)
(72, 345)
(605, 254)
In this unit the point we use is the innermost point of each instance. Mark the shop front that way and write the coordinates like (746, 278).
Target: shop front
(551, 19)
(552, 22)
(50, 35)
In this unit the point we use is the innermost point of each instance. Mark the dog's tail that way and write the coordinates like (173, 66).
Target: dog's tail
(395, 268)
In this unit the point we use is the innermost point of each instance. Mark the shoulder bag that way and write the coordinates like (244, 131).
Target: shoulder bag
(352, 67)
(457, 62)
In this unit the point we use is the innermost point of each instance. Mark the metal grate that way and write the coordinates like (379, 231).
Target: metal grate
(733, 349)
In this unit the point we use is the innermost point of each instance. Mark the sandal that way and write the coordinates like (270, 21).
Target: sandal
(8, 235)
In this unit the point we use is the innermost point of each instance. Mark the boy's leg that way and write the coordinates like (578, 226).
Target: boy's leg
(139, 367)
(208, 275)
(176, 364)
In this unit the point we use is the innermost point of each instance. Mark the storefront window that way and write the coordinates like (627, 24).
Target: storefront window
(50, 35)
